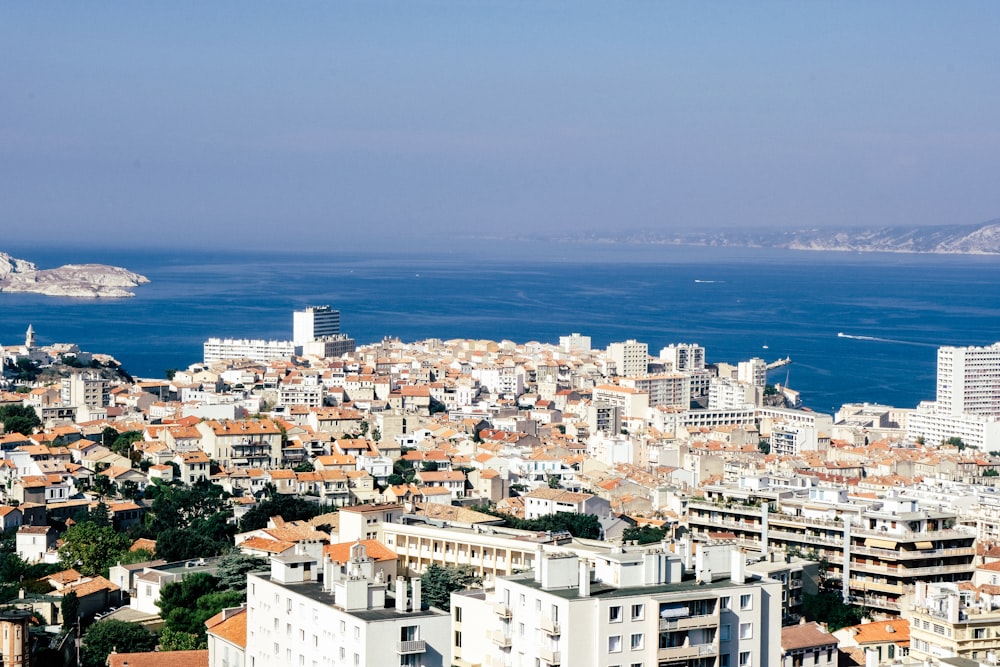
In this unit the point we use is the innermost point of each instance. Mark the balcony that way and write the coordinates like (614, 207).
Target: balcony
(687, 652)
(690, 622)
(500, 638)
(549, 656)
(549, 626)
(411, 647)
(501, 610)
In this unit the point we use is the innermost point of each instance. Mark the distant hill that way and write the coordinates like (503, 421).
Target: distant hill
(72, 280)
(982, 239)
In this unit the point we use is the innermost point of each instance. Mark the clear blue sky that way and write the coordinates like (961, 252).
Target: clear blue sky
(301, 123)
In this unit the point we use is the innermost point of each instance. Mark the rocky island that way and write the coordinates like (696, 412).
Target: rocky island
(72, 280)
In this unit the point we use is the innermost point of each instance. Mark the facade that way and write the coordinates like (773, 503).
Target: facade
(14, 647)
(629, 358)
(670, 389)
(314, 322)
(574, 343)
(254, 443)
(84, 389)
(314, 613)
(753, 372)
(880, 550)
(947, 621)
(808, 645)
(968, 380)
(684, 357)
(221, 349)
(623, 608)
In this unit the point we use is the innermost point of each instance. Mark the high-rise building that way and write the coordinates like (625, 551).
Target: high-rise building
(684, 356)
(629, 358)
(314, 322)
(968, 380)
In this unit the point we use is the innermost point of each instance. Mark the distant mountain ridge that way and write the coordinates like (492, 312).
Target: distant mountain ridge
(981, 239)
(73, 280)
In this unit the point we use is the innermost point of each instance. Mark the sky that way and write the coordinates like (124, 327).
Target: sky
(265, 124)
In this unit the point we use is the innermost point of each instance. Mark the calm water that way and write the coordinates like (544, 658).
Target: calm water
(731, 301)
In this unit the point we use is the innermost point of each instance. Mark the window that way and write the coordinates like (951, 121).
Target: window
(979, 633)
(746, 631)
(615, 644)
(637, 612)
(615, 614)
(724, 660)
(726, 602)
(458, 639)
(724, 633)
(458, 614)
(636, 642)
(746, 601)
(744, 658)
(522, 599)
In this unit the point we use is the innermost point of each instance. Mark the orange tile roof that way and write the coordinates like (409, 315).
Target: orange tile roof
(160, 659)
(232, 629)
(341, 552)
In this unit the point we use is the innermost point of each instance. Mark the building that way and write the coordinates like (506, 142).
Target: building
(311, 612)
(574, 343)
(638, 607)
(545, 501)
(221, 349)
(629, 358)
(753, 372)
(226, 633)
(84, 389)
(684, 357)
(670, 389)
(14, 647)
(951, 621)
(968, 380)
(808, 645)
(879, 549)
(313, 323)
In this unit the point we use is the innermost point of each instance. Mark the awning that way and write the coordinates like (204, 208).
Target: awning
(924, 545)
(881, 544)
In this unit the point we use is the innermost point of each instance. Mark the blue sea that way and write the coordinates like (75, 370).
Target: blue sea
(897, 309)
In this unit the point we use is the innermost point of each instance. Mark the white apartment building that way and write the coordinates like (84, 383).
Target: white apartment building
(968, 380)
(752, 372)
(314, 322)
(574, 343)
(621, 608)
(629, 358)
(309, 612)
(221, 349)
(84, 389)
(671, 389)
(729, 394)
(684, 357)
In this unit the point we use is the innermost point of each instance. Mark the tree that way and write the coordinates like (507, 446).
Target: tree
(19, 419)
(828, 606)
(990, 472)
(644, 534)
(553, 481)
(122, 445)
(91, 548)
(764, 447)
(233, 569)
(103, 637)
(288, 507)
(175, 544)
(69, 608)
(173, 640)
(185, 605)
(954, 441)
(438, 583)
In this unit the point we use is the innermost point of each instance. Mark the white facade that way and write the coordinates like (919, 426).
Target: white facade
(295, 617)
(220, 349)
(968, 380)
(574, 343)
(671, 389)
(314, 322)
(729, 394)
(752, 372)
(629, 358)
(684, 356)
(635, 608)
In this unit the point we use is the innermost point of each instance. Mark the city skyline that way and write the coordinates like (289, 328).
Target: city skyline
(384, 122)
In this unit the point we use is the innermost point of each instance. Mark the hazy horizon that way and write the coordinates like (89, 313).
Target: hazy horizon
(377, 123)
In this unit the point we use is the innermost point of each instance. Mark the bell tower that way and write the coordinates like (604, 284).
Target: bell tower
(29, 338)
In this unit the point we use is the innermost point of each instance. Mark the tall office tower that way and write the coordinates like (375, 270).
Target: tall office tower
(968, 380)
(684, 356)
(630, 358)
(314, 322)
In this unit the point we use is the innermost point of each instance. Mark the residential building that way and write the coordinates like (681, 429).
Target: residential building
(313, 323)
(808, 645)
(545, 501)
(670, 389)
(622, 608)
(954, 621)
(221, 349)
(312, 612)
(629, 358)
(684, 357)
(14, 646)
(227, 638)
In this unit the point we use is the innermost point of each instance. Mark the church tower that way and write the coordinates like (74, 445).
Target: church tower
(29, 338)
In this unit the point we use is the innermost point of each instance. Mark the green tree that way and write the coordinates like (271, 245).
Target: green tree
(644, 534)
(288, 507)
(123, 444)
(103, 637)
(175, 544)
(764, 447)
(438, 582)
(185, 605)
(173, 640)
(69, 609)
(990, 472)
(196, 506)
(828, 607)
(954, 441)
(19, 419)
(553, 481)
(233, 569)
(92, 549)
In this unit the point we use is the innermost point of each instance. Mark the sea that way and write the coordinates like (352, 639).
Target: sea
(858, 327)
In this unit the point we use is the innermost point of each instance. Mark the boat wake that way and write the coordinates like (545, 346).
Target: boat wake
(877, 339)
(712, 282)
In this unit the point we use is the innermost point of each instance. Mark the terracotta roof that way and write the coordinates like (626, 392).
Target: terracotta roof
(231, 628)
(160, 659)
(896, 631)
(341, 552)
(805, 635)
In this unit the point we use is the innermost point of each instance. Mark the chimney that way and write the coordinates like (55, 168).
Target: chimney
(539, 555)
(416, 594)
(584, 578)
(871, 657)
(737, 562)
(400, 595)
